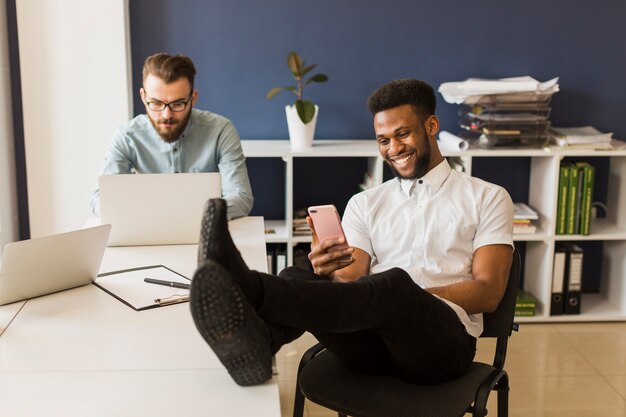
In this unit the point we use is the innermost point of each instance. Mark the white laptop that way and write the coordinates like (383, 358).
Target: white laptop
(156, 209)
(44, 265)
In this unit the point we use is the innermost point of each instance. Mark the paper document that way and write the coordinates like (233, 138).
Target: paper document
(129, 286)
(578, 135)
(523, 211)
(472, 89)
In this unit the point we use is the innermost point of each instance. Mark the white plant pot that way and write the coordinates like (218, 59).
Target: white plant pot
(300, 134)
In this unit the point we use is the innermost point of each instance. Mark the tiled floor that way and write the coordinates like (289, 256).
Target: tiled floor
(556, 370)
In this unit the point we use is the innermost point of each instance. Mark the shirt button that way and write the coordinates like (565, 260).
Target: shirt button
(175, 149)
(420, 182)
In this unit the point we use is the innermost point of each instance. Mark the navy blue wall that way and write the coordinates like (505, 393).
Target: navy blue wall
(240, 49)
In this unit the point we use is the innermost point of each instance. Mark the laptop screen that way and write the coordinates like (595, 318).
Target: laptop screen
(44, 265)
(156, 209)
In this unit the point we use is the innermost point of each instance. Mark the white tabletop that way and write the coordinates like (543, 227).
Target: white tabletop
(82, 352)
(7, 313)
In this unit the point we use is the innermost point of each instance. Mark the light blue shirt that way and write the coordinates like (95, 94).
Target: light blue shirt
(209, 143)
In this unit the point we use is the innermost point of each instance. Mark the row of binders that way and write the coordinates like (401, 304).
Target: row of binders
(566, 279)
(276, 259)
(575, 198)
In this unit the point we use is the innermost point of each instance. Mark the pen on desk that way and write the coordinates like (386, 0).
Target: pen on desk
(167, 283)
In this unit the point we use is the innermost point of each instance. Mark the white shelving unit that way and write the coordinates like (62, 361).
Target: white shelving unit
(607, 305)
(283, 230)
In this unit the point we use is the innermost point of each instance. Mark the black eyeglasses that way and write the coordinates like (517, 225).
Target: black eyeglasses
(175, 106)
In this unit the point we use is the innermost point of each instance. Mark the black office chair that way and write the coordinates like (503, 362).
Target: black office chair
(327, 382)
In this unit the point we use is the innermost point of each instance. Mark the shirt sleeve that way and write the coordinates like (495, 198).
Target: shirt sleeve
(236, 188)
(355, 226)
(496, 220)
(118, 160)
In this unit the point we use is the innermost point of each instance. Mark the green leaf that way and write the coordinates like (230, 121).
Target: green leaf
(294, 62)
(306, 110)
(308, 69)
(290, 88)
(273, 92)
(317, 78)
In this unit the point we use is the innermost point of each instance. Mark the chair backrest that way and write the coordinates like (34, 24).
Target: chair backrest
(500, 322)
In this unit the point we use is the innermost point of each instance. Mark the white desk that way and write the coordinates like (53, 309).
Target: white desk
(7, 313)
(81, 352)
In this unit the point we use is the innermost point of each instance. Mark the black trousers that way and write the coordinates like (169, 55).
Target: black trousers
(381, 324)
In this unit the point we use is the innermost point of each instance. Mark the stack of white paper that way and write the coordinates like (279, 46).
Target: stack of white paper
(584, 137)
(472, 90)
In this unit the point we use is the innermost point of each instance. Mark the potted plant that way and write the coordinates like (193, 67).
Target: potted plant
(302, 115)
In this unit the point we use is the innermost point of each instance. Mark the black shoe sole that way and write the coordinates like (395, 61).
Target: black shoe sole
(214, 211)
(226, 321)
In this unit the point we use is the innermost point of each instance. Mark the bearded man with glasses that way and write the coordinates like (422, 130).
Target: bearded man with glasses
(174, 137)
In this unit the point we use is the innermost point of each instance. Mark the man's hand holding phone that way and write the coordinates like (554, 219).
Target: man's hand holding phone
(329, 249)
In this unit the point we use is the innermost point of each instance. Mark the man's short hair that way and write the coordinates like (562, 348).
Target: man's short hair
(400, 92)
(169, 68)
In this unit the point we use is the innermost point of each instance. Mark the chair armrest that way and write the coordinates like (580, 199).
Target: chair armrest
(312, 352)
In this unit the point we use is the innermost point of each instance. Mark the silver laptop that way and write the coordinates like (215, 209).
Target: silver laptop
(44, 265)
(156, 209)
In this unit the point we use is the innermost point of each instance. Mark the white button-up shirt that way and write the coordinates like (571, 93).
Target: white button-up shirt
(430, 227)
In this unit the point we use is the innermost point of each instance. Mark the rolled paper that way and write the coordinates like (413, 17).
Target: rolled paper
(453, 142)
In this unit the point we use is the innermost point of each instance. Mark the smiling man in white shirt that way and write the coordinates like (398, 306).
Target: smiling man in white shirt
(430, 251)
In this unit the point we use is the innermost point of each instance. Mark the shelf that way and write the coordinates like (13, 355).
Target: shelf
(302, 239)
(539, 247)
(321, 148)
(602, 229)
(594, 307)
(533, 237)
(618, 145)
(507, 152)
(548, 151)
(280, 231)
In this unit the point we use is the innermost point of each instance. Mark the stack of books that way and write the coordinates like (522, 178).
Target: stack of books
(299, 224)
(301, 228)
(524, 219)
(586, 137)
(525, 304)
(576, 184)
(512, 112)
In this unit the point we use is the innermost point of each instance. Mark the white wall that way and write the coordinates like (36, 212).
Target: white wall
(76, 90)
(8, 203)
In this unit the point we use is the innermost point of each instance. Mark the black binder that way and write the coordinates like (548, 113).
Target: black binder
(558, 278)
(573, 279)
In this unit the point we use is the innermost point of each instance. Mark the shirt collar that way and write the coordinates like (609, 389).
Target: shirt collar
(433, 178)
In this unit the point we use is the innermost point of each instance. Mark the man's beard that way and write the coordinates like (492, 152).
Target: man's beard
(420, 166)
(170, 135)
